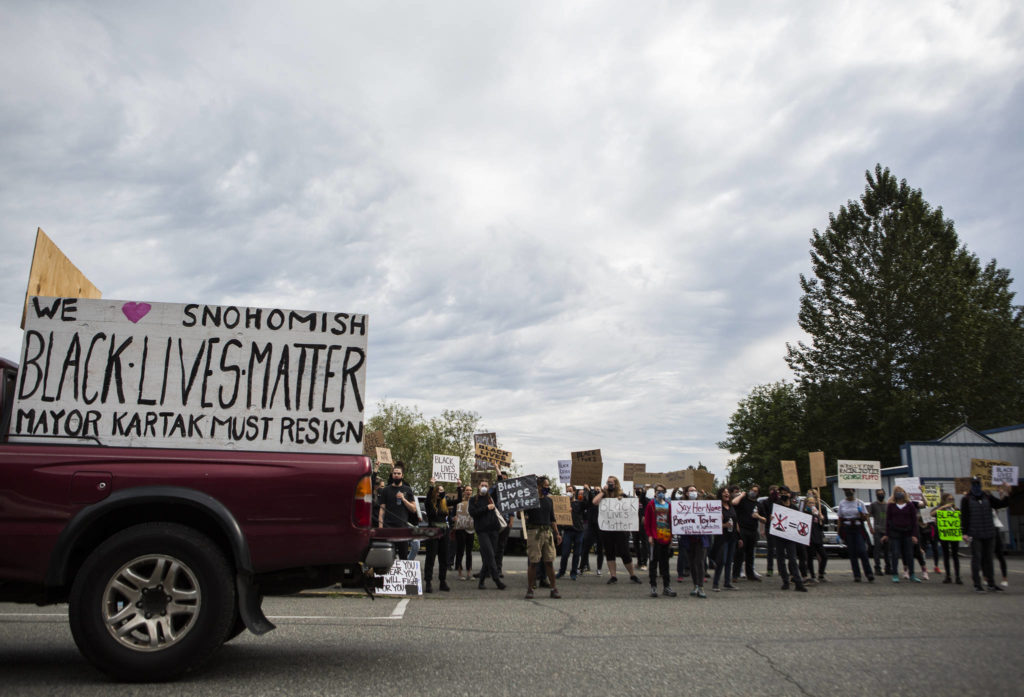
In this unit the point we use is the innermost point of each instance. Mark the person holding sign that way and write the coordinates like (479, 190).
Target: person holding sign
(487, 525)
(658, 528)
(901, 533)
(397, 502)
(615, 542)
(785, 550)
(696, 548)
(542, 536)
(437, 548)
(853, 517)
(976, 509)
(950, 548)
(725, 544)
(464, 533)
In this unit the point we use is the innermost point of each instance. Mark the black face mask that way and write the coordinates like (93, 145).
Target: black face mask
(880, 497)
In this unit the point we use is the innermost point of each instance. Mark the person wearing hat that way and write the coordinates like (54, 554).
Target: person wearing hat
(976, 509)
(785, 550)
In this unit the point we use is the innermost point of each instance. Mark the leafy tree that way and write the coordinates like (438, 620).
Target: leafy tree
(766, 428)
(910, 335)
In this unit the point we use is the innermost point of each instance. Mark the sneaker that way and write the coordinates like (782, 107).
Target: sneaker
(443, 587)
(947, 580)
(560, 574)
(995, 588)
(613, 579)
(743, 576)
(856, 579)
(979, 589)
(755, 577)
(529, 594)
(701, 593)
(555, 594)
(572, 577)
(924, 574)
(801, 589)
(654, 591)
(716, 589)
(768, 573)
(871, 579)
(895, 578)
(1004, 584)
(680, 580)
(731, 588)
(938, 570)
(694, 591)
(544, 583)
(822, 579)
(906, 575)
(481, 584)
(668, 592)
(598, 572)
(501, 586)
(785, 586)
(810, 579)
(878, 570)
(959, 581)
(634, 579)
(428, 588)
(915, 579)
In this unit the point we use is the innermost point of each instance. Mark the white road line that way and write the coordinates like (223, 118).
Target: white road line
(33, 614)
(399, 611)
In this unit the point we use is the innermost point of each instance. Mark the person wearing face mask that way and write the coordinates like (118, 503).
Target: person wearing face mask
(880, 549)
(615, 542)
(853, 517)
(658, 529)
(785, 550)
(764, 510)
(816, 549)
(572, 535)
(725, 544)
(397, 506)
(976, 508)
(748, 516)
(485, 522)
(950, 548)
(695, 547)
(542, 537)
(591, 532)
(901, 534)
(464, 534)
(682, 561)
(437, 548)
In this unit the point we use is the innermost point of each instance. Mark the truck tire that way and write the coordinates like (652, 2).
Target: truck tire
(153, 601)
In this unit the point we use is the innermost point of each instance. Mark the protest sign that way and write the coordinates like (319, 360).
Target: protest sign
(446, 468)
(493, 455)
(384, 456)
(563, 510)
(859, 474)
(587, 467)
(163, 375)
(618, 514)
(983, 469)
(818, 478)
(911, 485)
(405, 578)
(789, 475)
(490, 439)
(790, 524)
(478, 476)
(627, 487)
(371, 441)
(517, 494)
(631, 469)
(948, 523)
(565, 471)
(961, 485)
(696, 517)
(932, 495)
(53, 275)
(1004, 474)
(463, 520)
(678, 479)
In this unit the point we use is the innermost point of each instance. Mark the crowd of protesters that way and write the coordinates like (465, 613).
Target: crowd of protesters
(888, 531)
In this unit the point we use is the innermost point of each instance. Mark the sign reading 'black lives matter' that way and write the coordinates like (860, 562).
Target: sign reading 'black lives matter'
(183, 376)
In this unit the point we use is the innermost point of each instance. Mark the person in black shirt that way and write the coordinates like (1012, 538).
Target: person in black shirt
(543, 535)
(747, 517)
(572, 535)
(437, 549)
(397, 502)
(502, 543)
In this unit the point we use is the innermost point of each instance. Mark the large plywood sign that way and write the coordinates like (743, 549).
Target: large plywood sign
(631, 469)
(587, 467)
(492, 454)
(127, 373)
(789, 475)
(53, 274)
(818, 478)
(983, 469)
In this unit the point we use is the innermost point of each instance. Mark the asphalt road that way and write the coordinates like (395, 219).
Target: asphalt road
(839, 639)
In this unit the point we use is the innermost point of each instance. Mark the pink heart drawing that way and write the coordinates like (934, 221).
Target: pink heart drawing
(136, 311)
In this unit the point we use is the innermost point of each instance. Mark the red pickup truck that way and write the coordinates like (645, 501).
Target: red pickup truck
(164, 554)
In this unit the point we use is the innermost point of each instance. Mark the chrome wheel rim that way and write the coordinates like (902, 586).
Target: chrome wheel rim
(151, 603)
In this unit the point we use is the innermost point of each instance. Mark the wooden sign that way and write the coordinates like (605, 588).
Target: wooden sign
(52, 275)
(983, 469)
(631, 469)
(587, 468)
(679, 479)
(372, 440)
(493, 455)
(490, 439)
(789, 476)
(384, 456)
(478, 476)
(563, 510)
(962, 485)
(163, 375)
(818, 479)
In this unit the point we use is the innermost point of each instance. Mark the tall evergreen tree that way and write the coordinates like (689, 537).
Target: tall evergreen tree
(910, 335)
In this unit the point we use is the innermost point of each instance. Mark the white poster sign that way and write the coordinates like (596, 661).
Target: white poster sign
(1004, 475)
(790, 524)
(125, 373)
(619, 514)
(405, 578)
(859, 474)
(446, 468)
(911, 485)
(696, 517)
(565, 471)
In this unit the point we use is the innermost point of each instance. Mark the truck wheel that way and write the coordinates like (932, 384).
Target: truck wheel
(152, 602)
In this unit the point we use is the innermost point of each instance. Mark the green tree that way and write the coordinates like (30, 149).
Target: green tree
(910, 335)
(766, 428)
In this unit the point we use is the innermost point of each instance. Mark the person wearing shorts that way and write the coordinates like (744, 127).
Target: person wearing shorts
(542, 536)
(615, 543)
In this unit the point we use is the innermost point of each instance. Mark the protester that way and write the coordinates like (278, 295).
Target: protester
(880, 549)
(764, 510)
(502, 542)
(615, 542)
(930, 538)
(695, 547)
(658, 529)
(724, 547)
(397, 505)
(816, 548)
(591, 531)
(950, 548)
(643, 551)
(485, 522)
(572, 535)
(853, 517)
(976, 508)
(464, 534)
(747, 518)
(785, 550)
(900, 533)
(542, 536)
(437, 548)
(919, 548)
(682, 561)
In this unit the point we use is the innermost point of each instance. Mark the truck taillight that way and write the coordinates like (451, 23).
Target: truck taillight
(362, 507)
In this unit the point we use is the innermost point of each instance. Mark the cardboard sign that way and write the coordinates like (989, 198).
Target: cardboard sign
(162, 375)
(631, 469)
(517, 494)
(384, 456)
(617, 515)
(911, 485)
(490, 439)
(696, 517)
(790, 524)
(405, 578)
(587, 468)
(463, 520)
(478, 476)
(789, 475)
(53, 275)
(859, 474)
(983, 469)
(563, 510)
(493, 455)
(948, 523)
(678, 479)
(565, 471)
(962, 485)
(446, 468)
(818, 479)
(1004, 474)
(371, 441)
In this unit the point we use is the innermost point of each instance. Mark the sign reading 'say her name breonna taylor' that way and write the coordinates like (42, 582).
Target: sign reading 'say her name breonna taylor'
(192, 376)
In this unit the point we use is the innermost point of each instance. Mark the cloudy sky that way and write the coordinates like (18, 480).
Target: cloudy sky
(585, 221)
